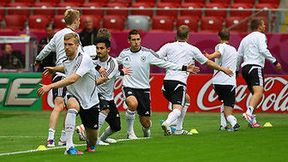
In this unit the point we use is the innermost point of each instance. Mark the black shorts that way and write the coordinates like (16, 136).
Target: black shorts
(113, 118)
(253, 75)
(89, 117)
(143, 98)
(174, 91)
(58, 92)
(226, 94)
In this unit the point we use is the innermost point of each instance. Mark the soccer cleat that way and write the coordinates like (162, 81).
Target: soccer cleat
(61, 143)
(73, 151)
(91, 149)
(101, 143)
(235, 128)
(110, 141)
(81, 132)
(222, 128)
(248, 117)
(166, 129)
(146, 132)
(132, 136)
(255, 125)
(182, 132)
(50, 143)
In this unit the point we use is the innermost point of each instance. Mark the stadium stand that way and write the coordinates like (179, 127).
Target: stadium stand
(38, 22)
(162, 23)
(236, 24)
(192, 9)
(18, 9)
(15, 22)
(44, 8)
(211, 24)
(164, 9)
(119, 9)
(240, 9)
(216, 10)
(190, 21)
(139, 22)
(97, 21)
(141, 9)
(59, 22)
(92, 8)
(114, 22)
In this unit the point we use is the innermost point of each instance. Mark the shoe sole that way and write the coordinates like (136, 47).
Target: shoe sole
(166, 131)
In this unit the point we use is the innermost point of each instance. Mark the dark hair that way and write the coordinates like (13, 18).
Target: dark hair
(50, 25)
(3, 47)
(182, 32)
(133, 32)
(255, 23)
(224, 34)
(103, 40)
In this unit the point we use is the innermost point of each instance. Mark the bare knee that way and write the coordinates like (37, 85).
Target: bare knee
(132, 103)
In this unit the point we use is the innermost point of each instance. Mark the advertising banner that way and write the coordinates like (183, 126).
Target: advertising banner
(203, 97)
(18, 91)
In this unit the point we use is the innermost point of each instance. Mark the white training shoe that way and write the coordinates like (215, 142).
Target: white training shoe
(101, 143)
(166, 129)
(50, 143)
(61, 143)
(146, 132)
(110, 141)
(182, 132)
(132, 136)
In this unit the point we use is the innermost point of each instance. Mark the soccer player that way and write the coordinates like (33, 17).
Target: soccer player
(82, 93)
(174, 86)
(253, 51)
(136, 86)
(56, 44)
(224, 86)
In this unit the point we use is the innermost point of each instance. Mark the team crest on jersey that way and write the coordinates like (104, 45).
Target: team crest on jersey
(143, 58)
(126, 59)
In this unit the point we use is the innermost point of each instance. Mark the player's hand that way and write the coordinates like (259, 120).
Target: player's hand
(101, 80)
(103, 72)
(278, 67)
(37, 65)
(193, 69)
(49, 71)
(227, 71)
(206, 54)
(43, 89)
(127, 70)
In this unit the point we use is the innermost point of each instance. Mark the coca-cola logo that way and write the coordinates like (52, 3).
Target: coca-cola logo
(275, 96)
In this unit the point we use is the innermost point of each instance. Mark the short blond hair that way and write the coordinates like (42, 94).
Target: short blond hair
(72, 36)
(71, 15)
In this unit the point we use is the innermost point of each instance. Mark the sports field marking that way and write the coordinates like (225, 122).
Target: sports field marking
(57, 147)
(22, 136)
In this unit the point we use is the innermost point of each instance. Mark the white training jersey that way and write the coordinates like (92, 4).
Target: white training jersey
(227, 59)
(107, 89)
(181, 53)
(56, 44)
(253, 50)
(84, 89)
(139, 62)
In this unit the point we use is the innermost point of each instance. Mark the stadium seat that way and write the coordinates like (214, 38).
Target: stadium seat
(236, 24)
(42, 9)
(211, 24)
(100, 2)
(163, 9)
(114, 22)
(59, 22)
(96, 21)
(192, 22)
(93, 9)
(237, 10)
(65, 5)
(38, 22)
(15, 22)
(150, 2)
(27, 2)
(252, 2)
(4, 2)
(53, 2)
(202, 2)
(276, 3)
(141, 6)
(216, 10)
(18, 9)
(163, 23)
(78, 2)
(194, 9)
(138, 22)
(226, 3)
(118, 9)
(265, 9)
(171, 1)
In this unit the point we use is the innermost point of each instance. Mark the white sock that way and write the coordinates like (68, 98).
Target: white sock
(102, 117)
(180, 120)
(250, 110)
(232, 120)
(51, 133)
(172, 117)
(70, 123)
(130, 118)
(63, 136)
(108, 131)
(223, 121)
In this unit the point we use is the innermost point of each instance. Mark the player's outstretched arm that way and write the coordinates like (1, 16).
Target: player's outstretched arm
(193, 69)
(51, 70)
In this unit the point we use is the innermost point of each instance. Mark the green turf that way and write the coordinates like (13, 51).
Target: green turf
(25, 130)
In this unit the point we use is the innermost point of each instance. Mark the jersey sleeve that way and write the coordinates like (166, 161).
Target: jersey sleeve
(262, 42)
(220, 48)
(119, 59)
(85, 65)
(112, 69)
(162, 52)
(155, 60)
(199, 57)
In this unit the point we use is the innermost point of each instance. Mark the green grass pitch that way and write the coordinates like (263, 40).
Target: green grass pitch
(26, 130)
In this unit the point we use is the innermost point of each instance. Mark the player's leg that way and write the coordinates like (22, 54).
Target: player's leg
(180, 120)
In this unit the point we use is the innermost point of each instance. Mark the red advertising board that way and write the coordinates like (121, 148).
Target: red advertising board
(203, 97)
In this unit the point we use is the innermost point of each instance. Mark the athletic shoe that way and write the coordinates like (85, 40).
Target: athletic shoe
(73, 151)
(255, 125)
(81, 132)
(91, 149)
(110, 141)
(61, 143)
(50, 143)
(235, 128)
(101, 143)
(182, 132)
(248, 117)
(131, 136)
(147, 133)
(166, 129)
(222, 128)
